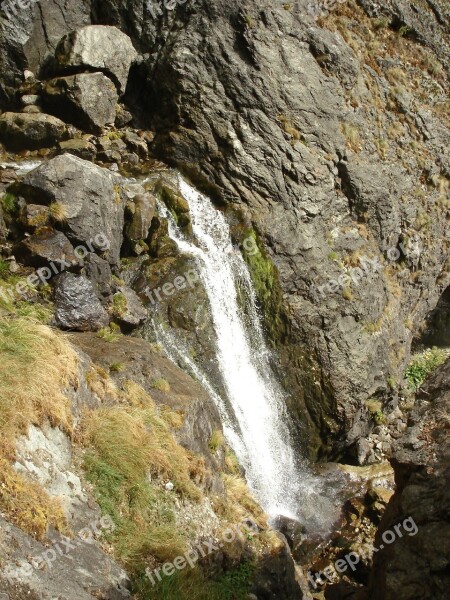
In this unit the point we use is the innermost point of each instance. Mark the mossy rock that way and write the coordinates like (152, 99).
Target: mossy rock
(177, 205)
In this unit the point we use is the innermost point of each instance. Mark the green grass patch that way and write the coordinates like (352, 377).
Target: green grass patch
(193, 584)
(423, 365)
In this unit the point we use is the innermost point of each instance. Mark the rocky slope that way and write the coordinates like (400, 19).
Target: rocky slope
(323, 137)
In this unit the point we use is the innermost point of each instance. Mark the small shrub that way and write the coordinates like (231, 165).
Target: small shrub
(9, 203)
(4, 269)
(352, 136)
(161, 385)
(120, 305)
(423, 365)
(110, 334)
(347, 293)
(216, 441)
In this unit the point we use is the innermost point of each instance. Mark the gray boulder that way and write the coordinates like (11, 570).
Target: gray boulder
(87, 100)
(77, 307)
(98, 47)
(31, 131)
(92, 205)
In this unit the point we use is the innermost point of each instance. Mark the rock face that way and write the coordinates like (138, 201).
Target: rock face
(94, 212)
(291, 137)
(98, 47)
(20, 131)
(77, 307)
(417, 565)
(87, 100)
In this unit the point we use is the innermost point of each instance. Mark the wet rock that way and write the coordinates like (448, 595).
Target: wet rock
(128, 309)
(47, 246)
(98, 47)
(172, 198)
(24, 131)
(94, 212)
(77, 307)
(87, 100)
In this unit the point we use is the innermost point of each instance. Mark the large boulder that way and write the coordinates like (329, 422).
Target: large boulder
(31, 131)
(87, 100)
(77, 307)
(98, 47)
(94, 212)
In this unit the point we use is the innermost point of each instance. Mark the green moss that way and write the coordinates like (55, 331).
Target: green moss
(177, 205)
(120, 305)
(9, 203)
(267, 287)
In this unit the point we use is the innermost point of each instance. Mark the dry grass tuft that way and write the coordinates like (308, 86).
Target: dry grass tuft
(36, 365)
(240, 503)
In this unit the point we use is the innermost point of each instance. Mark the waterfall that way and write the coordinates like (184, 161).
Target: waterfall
(253, 413)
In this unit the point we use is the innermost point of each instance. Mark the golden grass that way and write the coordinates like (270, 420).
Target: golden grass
(28, 505)
(137, 440)
(240, 503)
(216, 441)
(57, 212)
(36, 365)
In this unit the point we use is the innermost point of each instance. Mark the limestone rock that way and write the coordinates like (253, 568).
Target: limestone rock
(87, 100)
(31, 131)
(77, 307)
(93, 209)
(98, 47)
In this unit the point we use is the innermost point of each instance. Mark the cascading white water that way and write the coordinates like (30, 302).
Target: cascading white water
(253, 414)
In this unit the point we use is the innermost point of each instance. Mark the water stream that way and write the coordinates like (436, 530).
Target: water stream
(253, 412)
